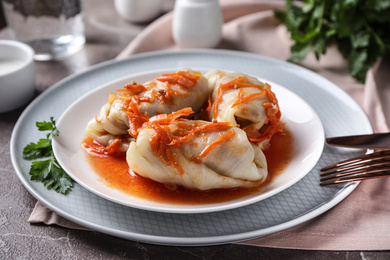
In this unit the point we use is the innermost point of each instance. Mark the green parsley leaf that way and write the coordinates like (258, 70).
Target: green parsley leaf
(380, 4)
(48, 171)
(360, 29)
(37, 150)
(45, 126)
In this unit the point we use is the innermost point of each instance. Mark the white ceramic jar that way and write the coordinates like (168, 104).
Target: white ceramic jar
(138, 11)
(197, 23)
(17, 74)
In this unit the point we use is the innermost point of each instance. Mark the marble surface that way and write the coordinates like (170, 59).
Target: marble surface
(106, 37)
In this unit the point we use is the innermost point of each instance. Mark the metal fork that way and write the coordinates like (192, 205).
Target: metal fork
(368, 166)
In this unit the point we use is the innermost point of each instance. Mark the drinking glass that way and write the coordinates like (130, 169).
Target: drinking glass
(53, 28)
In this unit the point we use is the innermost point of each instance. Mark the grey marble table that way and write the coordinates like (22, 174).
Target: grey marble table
(106, 37)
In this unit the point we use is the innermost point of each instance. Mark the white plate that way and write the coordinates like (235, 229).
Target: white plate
(301, 120)
(339, 114)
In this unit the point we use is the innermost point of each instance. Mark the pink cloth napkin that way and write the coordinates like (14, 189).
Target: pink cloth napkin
(362, 220)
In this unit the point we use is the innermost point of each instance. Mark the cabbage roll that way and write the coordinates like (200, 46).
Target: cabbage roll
(246, 102)
(196, 154)
(164, 94)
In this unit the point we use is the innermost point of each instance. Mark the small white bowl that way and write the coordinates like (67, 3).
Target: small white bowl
(17, 74)
(138, 11)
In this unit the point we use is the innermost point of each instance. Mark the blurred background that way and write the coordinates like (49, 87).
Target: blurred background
(2, 20)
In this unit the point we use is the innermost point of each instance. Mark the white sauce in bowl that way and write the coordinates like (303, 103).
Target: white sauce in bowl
(7, 65)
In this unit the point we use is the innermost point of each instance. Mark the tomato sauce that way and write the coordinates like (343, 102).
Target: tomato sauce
(114, 172)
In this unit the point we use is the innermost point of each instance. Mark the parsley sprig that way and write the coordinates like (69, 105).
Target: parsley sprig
(48, 171)
(360, 29)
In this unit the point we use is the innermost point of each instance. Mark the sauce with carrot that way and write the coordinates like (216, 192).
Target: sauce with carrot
(113, 170)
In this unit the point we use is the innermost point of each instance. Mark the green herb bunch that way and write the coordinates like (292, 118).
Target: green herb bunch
(48, 171)
(360, 29)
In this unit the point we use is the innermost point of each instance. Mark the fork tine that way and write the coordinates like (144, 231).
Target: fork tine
(372, 156)
(356, 178)
(368, 166)
(367, 170)
(360, 165)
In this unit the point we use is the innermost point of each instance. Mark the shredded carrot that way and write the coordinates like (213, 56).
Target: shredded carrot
(217, 142)
(114, 146)
(131, 89)
(241, 99)
(100, 150)
(183, 78)
(143, 98)
(271, 94)
(193, 132)
(240, 95)
(136, 119)
(204, 113)
(249, 85)
(160, 143)
(174, 162)
(273, 114)
(208, 109)
(193, 75)
(218, 96)
(166, 119)
(160, 140)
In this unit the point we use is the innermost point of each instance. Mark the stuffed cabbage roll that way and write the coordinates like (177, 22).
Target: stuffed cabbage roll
(196, 154)
(164, 94)
(246, 102)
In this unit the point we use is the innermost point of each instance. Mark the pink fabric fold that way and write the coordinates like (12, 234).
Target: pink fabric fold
(41, 214)
(362, 220)
(376, 95)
